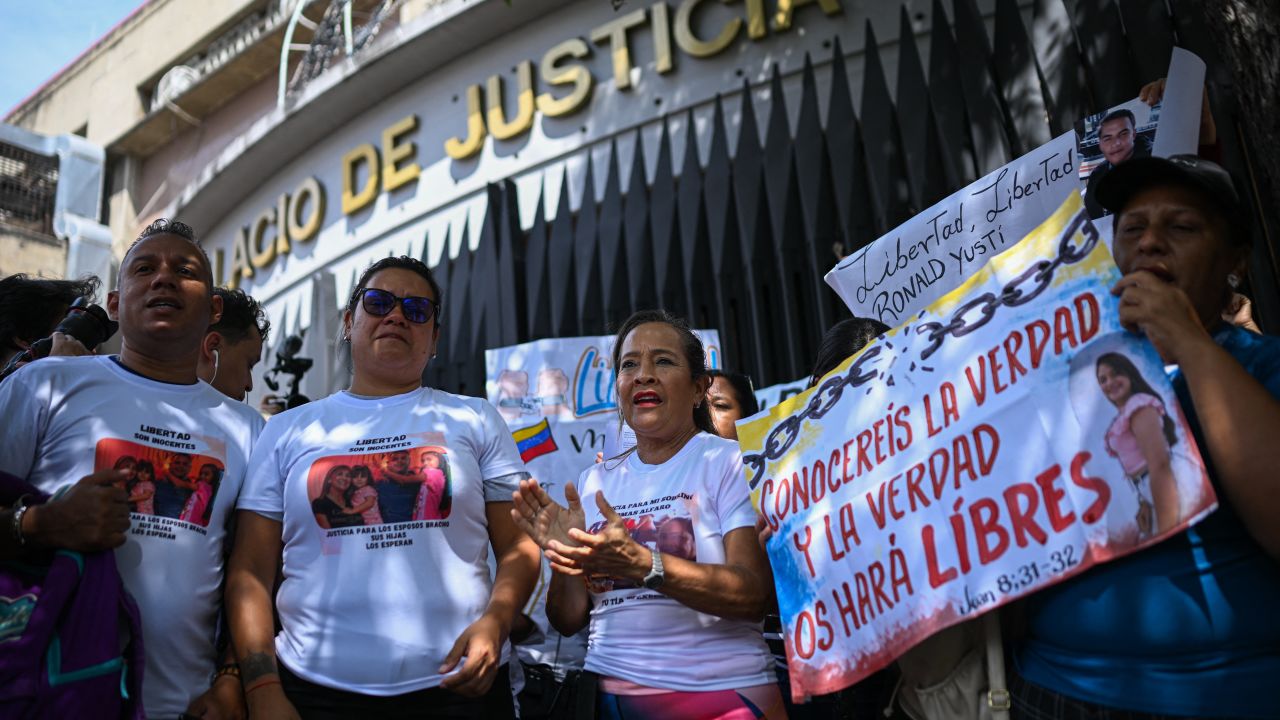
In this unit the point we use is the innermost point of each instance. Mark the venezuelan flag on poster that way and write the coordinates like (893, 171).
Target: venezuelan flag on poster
(535, 440)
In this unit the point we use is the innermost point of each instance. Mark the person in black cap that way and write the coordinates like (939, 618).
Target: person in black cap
(1189, 626)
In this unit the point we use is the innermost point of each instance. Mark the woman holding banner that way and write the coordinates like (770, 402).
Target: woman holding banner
(1187, 627)
(670, 636)
(408, 621)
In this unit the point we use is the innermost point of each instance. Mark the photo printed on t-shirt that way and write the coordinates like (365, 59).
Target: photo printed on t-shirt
(392, 487)
(664, 525)
(163, 485)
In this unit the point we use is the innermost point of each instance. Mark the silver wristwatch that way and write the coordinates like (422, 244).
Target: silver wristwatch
(654, 579)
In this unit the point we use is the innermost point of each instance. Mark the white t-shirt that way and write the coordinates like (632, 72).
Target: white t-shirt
(68, 417)
(683, 507)
(374, 609)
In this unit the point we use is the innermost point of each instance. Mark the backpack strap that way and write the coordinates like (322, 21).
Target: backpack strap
(998, 699)
(12, 488)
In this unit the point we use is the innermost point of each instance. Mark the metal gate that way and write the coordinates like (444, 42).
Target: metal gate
(741, 244)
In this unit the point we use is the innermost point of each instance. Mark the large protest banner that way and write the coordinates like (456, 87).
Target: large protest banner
(983, 451)
(931, 254)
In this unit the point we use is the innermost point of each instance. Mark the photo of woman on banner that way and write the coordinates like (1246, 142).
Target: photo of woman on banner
(1143, 430)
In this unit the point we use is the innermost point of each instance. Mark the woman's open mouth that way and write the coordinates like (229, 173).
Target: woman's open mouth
(647, 398)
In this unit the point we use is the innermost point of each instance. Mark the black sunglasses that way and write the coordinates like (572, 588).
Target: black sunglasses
(380, 303)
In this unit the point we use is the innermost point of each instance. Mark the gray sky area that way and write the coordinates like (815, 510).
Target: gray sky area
(37, 39)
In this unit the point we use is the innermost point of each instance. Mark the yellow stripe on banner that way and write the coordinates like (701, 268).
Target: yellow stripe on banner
(525, 433)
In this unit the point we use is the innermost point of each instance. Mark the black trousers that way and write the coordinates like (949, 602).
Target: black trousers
(317, 702)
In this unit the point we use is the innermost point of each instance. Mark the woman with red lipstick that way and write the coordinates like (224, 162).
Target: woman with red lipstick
(673, 634)
(1187, 627)
(429, 638)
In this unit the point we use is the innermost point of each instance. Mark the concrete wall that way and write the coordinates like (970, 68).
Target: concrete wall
(25, 252)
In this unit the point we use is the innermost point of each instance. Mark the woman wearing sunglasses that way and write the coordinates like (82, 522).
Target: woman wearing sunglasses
(393, 620)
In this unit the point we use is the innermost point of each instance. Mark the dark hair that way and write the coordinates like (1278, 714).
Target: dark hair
(137, 470)
(165, 226)
(120, 461)
(30, 308)
(438, 456)
(404, 262)
(843, 340)
(1119, 115)
(213, 489)
(239, 313)
(217, 473)
(1123, 365)
(363, 469)
(690, 347)
(743, 390)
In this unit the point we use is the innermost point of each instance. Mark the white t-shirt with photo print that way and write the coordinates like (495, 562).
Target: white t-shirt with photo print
(68, 417)
(374, 609)
(642, 635)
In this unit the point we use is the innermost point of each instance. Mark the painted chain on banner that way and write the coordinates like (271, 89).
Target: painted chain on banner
(982, 451)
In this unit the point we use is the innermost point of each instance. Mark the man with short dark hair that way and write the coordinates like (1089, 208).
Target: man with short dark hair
(174, 489)
(398, 487)
(233, 345)
(72, 420)
(1119, 142)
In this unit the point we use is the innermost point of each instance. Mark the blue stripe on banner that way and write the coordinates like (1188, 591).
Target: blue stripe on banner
(534, 441)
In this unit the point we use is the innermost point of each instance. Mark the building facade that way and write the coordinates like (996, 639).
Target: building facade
(562, 163)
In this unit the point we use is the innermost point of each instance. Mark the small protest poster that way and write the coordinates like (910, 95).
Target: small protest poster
(931, 254)
(987, 448)
(557, 397)
(774, 394)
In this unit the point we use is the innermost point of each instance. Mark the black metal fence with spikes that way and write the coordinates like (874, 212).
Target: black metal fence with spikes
(741, 244)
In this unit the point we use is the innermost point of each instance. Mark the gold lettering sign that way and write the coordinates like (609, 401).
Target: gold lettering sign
(615, 33)
(463, 149)
(561, 67)
(787, 9)
(309, 194)
(366, 155)
(253, 248)
(499, 128)
(576, 75)
(694, 46)
(395, 152)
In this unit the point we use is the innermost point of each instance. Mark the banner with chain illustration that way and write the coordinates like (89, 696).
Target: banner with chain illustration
(1008, 437)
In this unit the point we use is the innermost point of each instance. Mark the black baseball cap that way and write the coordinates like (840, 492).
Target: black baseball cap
(1133, 176)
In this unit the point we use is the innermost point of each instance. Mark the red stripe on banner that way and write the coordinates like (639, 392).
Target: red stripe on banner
(542, 448)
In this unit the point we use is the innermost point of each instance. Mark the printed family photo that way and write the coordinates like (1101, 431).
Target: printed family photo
(381, 488)
(162, 482)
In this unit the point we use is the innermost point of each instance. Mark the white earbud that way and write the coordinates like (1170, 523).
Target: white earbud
(215, 366)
